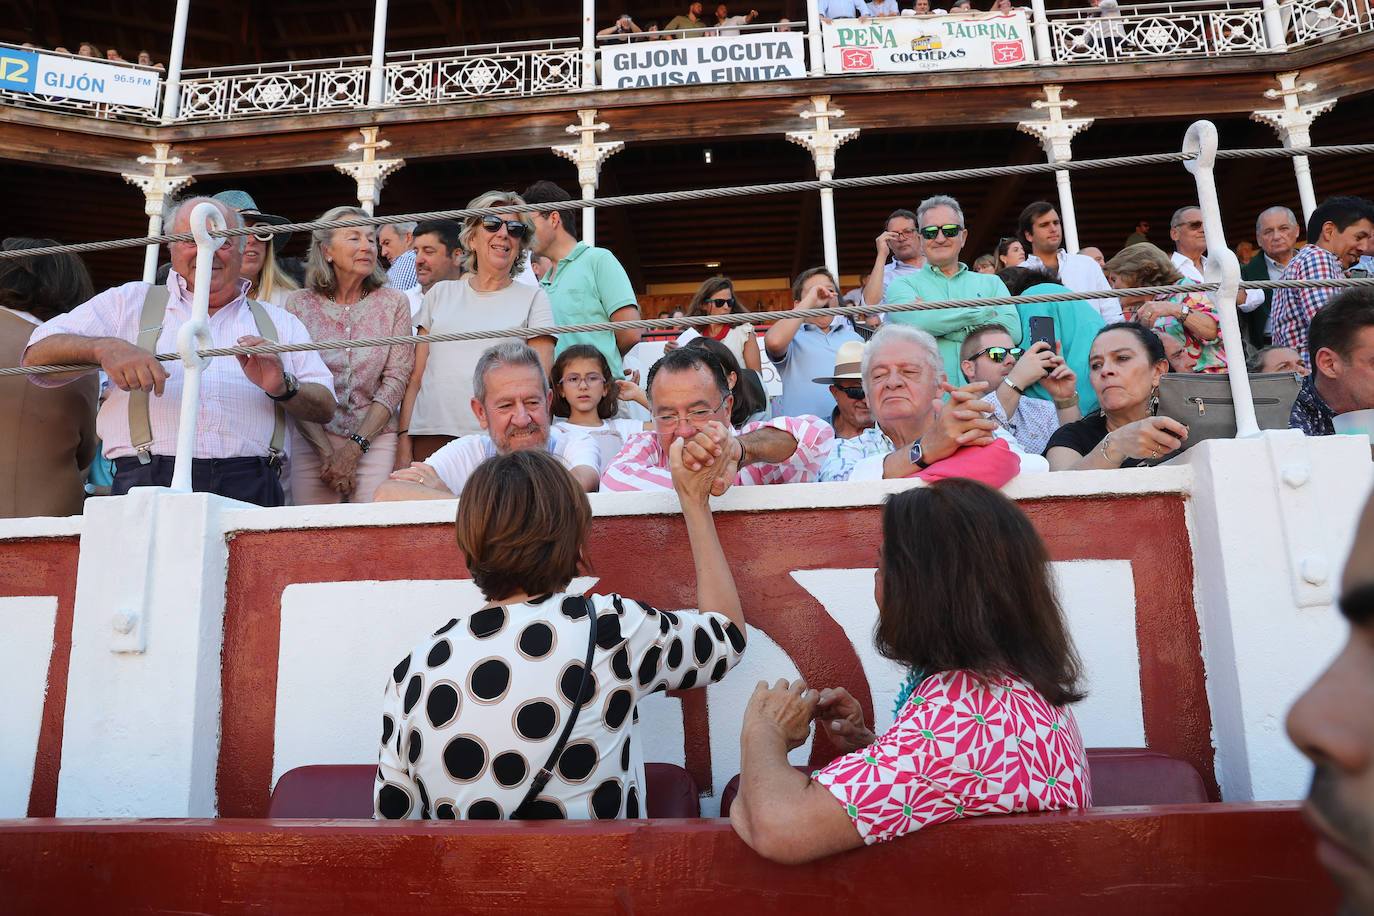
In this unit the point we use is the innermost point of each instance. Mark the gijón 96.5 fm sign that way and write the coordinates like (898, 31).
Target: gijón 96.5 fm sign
(914, 44)
(88, 79)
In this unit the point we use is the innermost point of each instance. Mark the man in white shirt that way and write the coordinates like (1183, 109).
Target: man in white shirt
(1190, 254)
(1041, 234)
(511, 401)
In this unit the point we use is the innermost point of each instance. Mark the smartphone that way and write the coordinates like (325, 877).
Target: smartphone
(1041, 328)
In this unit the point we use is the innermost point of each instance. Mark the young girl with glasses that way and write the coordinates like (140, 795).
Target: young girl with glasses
(585, 396)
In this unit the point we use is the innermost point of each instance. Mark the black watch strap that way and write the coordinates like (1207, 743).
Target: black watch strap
(293, 388)
(916, 457)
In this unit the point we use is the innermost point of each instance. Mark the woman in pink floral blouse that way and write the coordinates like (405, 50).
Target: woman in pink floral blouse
(983, 722)
(346, 459)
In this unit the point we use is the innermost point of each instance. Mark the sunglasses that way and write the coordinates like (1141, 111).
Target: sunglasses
(949, 232)
(514, 227)
(998, 354)
(717, 303)
(1193, 225)
(855, 394)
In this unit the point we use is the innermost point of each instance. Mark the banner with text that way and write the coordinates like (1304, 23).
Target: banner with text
(82, 78)
(693, 61)
(911, 44)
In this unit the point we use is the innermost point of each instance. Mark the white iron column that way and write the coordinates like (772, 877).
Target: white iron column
(823, 141)
(1056, 136)
(588, 155)
(813, 37)
(376, 82)
(1292, 122)
(589, 45)
(1275, 35)
(1040, 26)
(156, 188)
(370, 172)
(171, 91)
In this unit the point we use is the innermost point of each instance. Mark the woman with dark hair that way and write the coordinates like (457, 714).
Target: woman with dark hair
(983, 724)
(1010, 253)
(1188, 317)
(1124, 365)
(50, 432)
(346, 298)
(716, 296)
(750, 397)
(585, 395)
(478, 708)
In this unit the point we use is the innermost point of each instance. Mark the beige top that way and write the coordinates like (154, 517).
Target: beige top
(442, 408)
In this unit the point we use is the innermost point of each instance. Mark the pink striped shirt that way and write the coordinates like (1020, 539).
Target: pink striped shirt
(235, 417)
(643, 465)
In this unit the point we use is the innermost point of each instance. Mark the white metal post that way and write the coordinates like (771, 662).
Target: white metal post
(828, 245)
(205, 218)
(1040, 26)
(823, 141)
(1275, 35)
(376, 81)
(813, 37)
(1068, 218)
(588, 155)
(171, 92)
(1223, 267)
(589, 46)
(1056, 137)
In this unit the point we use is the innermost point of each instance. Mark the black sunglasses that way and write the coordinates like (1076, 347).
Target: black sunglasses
(514, 227)
(949, 232)
(714, 303)
(997, 354)
(855, 394)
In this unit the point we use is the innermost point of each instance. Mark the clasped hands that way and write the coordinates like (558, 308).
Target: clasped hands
(705, 463)
(790, 708)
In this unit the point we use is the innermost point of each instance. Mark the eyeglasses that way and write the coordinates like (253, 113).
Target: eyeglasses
(717, 303)
(1194, 225)
(514, 227)
(855, 393)
(998, 354)
(696, 418)
(949, 232)
(574, 380)
(903, 233)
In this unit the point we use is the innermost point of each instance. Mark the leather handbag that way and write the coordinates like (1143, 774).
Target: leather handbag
(1202, 402)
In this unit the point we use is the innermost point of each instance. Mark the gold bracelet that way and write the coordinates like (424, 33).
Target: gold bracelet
(1066, 403)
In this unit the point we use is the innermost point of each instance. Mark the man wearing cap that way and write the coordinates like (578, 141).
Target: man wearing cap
(851, 415)
(240, 427)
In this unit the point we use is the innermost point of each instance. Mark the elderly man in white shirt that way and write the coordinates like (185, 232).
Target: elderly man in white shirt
(1190, 255)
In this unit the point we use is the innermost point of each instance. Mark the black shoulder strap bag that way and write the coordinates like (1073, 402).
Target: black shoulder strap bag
(542, 778)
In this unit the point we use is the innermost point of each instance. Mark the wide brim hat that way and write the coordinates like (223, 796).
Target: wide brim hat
(847, 362)
(243, 202)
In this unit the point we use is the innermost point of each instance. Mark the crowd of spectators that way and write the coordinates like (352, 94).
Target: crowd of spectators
(696, 22)
(90, 49)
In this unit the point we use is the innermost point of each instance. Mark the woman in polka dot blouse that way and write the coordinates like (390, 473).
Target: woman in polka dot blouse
(472, 714)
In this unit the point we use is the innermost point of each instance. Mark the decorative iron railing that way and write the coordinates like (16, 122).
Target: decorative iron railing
(1157, 30)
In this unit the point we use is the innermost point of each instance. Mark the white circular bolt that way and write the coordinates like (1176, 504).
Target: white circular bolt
(123, 622)
(1314, 570)
(1295, 476)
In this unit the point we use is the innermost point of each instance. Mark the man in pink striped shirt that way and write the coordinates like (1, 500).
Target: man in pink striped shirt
(691, 400)
(236, 418)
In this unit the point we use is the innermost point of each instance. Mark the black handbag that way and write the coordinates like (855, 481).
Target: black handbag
(1202, 402)
(542, 778)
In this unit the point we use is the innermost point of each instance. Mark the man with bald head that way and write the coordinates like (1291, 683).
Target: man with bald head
(239, 441)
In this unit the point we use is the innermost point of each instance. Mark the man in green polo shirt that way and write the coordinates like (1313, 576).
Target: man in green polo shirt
(586, 285)
(940, 221)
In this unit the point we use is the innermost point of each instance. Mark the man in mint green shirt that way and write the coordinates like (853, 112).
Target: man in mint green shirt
(586, 285)
(940, 221)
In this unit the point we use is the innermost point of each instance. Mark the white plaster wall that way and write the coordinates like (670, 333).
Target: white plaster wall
(29, 625)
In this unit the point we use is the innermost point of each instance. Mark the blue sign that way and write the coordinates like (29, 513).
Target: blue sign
(18, 70)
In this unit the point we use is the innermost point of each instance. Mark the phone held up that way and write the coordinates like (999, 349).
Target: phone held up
(1041, 328)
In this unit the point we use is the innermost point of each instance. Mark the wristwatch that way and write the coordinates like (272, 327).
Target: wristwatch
(915, 456)
(364, 443)
(1184, 311)
(293, 388)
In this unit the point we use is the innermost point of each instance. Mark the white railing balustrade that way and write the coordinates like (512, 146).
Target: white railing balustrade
(1314, 20)
(1157, 30)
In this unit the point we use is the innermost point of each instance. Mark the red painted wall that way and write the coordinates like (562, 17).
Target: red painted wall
(645, 557)
(34, 568)
(1247, 858)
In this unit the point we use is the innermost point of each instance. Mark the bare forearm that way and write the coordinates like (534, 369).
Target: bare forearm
(313, 403)
(873, 289)
(1201, 326)
(715, 582)
(313, 433)
(767, 784)
(779, 337)
(768, 446)
(404, 491)
(65, 348)
(374, 421)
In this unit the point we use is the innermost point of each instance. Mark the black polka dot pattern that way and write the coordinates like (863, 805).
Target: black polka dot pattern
(474, 710)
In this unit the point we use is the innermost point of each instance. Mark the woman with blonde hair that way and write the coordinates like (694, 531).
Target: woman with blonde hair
(346, 298)
(1187, 317)
(487, 297)
(269, 283)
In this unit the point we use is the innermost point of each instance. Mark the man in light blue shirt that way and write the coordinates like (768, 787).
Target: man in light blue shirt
(943, 233)
(803, 350)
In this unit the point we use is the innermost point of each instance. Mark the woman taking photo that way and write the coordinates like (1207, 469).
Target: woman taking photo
(1185, 316)
(476, 710)
(716, 297)
(487, 297)
(983, 724)
(1124, 366)
(345, 298)
(587, 400)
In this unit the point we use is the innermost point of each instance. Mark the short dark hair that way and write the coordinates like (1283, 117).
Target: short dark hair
(1341, 212)
(1019, 279)
(522, 524)
(746, 402)
(978, 596)
(1339, 322)
(546, 192)
(1026, 221)
(447, 231)
(901, 213)
(609, 403)
(1154, 347)
(45, 286)
(685, 359)
(799, 284)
